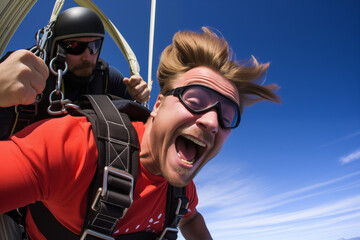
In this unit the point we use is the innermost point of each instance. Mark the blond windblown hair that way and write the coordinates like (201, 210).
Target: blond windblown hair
(191, 49)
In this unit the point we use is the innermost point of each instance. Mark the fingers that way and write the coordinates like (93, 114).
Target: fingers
(41, 72)
(137, 88)
(22, 76)
(32, 77)
(29, 96)
(133, 81)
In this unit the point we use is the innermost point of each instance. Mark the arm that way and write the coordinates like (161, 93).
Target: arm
(194, 227)
(22, 76)
(53, 161)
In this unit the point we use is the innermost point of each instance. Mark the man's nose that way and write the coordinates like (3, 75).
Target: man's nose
(209, 121)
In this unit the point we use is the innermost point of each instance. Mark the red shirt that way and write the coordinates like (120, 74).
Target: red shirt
(54, 161)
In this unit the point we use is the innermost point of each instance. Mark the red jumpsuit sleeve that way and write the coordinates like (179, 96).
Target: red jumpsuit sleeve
(44, 161)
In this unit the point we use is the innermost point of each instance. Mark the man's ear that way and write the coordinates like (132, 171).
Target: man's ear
(157, 105)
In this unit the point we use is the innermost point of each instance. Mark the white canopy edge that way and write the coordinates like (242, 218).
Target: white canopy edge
(12, 13)
(56, 10)
(151, 42)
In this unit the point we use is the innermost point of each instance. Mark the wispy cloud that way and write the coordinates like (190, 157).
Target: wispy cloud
(243, 208)
(355, 134)
(350, 157)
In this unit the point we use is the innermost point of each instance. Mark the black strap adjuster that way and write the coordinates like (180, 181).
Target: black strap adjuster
(112, 200)
(121, 177)
(27, 110)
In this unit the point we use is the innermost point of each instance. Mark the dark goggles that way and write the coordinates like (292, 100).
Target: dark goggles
(77, 47)
(199, 99)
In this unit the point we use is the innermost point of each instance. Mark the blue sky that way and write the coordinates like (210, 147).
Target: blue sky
(291, 170)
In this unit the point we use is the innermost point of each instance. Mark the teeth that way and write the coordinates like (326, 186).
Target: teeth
(197, 142)
(194, 140)
(187, 162)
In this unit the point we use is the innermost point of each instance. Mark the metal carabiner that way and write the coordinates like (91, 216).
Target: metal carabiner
(41, 38)
(53, 70)
(39, 52)
(59, 74)
(51, 96)
(46, 35)
(64, 103)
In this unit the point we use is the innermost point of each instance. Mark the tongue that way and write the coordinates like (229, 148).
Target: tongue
(185, 148)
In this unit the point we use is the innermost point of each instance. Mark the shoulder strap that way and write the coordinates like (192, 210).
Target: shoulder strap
(48, 225)
(104, 66)
(111, 192)
(100, 82)
(176, 207)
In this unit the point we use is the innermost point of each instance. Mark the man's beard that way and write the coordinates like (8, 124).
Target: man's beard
(83, 69)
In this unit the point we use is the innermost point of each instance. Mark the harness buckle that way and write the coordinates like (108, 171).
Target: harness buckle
(30, 110)
(166, 232)
(92, 233)
(102, 192)
(180, 206)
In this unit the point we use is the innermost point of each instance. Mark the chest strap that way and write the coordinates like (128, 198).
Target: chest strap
(176, 208)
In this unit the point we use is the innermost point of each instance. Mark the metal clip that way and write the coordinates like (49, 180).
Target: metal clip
(168, 229)
(179, 206)
(65, 104)
(42, 37)
(95, 234)
(103, 190)
(52, 68)
(59, 73)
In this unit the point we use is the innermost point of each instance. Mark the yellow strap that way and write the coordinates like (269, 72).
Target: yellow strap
(16, 120)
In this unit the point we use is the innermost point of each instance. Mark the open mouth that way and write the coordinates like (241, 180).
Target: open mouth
(189, 149)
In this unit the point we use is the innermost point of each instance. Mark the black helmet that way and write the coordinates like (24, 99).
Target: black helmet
(76, 22)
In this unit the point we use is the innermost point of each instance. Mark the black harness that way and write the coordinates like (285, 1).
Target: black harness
(24, 115)
(111, 190)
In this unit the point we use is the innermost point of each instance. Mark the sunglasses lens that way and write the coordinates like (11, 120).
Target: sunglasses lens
(196, 98)
(74, 47)
(77, 47)
(201, 99)
(230, 113)
(94, 46)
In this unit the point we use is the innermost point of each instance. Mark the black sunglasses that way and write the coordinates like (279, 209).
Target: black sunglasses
(78, 47)
(198, 98)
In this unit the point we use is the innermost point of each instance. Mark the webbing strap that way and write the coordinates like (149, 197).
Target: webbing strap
(47, 223)
(176, 207)
(113, 184)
